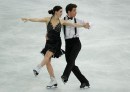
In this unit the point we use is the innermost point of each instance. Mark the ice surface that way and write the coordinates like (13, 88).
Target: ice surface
(104, 58)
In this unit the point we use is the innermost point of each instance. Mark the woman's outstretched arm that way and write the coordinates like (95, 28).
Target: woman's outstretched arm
(35, 19)
(67, 23)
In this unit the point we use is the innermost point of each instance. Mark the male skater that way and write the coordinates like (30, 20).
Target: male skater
(72, 47)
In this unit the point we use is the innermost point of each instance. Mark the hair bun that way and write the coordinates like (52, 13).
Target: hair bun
(51, 11)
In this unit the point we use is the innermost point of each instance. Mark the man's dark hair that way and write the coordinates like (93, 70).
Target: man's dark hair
(70, 6)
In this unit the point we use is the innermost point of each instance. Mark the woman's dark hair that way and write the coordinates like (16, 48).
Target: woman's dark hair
(56, 8)
(70, 6)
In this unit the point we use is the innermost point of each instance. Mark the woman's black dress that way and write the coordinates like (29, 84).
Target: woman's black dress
(53, 43)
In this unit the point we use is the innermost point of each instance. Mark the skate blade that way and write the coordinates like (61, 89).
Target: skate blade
(53, 86)
(85, 87)
(35, 73)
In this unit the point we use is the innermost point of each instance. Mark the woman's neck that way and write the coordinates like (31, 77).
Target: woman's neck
(55, 17)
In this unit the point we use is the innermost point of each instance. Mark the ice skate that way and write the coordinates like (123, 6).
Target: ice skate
(52, 83)
(64, 79)
(36, 70)
(84, 85)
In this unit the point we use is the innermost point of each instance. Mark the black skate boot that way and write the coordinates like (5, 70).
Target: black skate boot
(85, 84)
(64, 79)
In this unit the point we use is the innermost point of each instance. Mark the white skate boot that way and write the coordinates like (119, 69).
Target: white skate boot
(37, 70)
(52, 83)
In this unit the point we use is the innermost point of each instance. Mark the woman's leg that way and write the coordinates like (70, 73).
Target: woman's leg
(50, 68)
(45, 60)
(53, 81)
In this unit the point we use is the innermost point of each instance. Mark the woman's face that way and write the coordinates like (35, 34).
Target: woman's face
(59, 13)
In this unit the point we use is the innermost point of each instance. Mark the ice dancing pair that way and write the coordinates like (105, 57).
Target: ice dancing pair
(72, 48)
(53, 43)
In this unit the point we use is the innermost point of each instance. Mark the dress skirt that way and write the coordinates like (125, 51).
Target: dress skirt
(53, 46)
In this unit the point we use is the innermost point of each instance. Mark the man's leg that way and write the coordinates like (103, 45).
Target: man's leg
(70, 58)
(84, 82)
(78, 74)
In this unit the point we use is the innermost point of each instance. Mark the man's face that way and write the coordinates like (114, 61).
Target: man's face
(72, 13)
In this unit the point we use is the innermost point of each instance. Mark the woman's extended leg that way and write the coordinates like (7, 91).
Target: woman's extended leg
(45, 60)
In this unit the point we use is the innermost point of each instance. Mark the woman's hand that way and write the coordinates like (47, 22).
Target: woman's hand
(25, 19)
(86, 25)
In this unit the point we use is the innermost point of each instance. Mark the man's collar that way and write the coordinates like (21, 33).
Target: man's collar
(71, 18)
